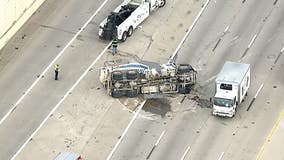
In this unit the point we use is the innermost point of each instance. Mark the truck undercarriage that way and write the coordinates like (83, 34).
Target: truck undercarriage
(152, 81)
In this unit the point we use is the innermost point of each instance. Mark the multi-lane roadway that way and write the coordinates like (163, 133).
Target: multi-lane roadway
(248, 31)
(27, 96)
(243, 31)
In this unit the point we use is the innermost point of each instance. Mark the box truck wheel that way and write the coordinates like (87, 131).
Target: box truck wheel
(234, 112)
(130, 31)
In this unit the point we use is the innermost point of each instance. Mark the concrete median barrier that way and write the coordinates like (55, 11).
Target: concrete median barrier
(14, 13)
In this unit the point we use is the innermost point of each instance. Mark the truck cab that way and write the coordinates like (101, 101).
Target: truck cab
(121, 23)
(224, 104)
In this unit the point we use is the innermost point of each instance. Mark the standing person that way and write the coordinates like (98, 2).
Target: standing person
(56, 70)
(114, 46)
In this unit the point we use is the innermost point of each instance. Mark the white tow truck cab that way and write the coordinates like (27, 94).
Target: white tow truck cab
(231, 87)
(126, 17)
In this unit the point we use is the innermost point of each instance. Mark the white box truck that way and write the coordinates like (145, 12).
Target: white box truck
(231, 87)
(126, 17)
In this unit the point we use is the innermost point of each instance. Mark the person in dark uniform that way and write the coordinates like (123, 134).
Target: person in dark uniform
(56, 70)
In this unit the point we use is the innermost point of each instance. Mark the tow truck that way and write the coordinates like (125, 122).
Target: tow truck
(148, 78)
(121, 23)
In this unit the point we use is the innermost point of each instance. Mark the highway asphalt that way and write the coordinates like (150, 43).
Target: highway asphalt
(248, 31)
(39, 41)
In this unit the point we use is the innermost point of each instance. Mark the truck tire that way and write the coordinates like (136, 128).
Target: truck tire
(235, 112)
(131, 75)
(116, 75)
(162, 3)
(131, 93)
(184, 68)
(117, 93)
(130, 31)
(124, 36)
(184, 89)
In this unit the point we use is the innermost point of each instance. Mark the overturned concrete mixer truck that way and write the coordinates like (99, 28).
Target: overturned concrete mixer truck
(126, 17)
(150, 79)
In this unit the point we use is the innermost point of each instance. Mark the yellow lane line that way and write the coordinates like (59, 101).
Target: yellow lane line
(268, 138)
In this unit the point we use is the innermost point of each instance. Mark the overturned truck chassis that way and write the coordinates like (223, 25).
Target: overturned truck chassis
(153, 82)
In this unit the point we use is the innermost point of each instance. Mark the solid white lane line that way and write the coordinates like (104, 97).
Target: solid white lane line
(60, 102)
(251, 42)
(156, 144)
(185, 153)
(282, 50)
(227, 28)
(221, 37)
(189, 30)
(161, 136)
(258, 90)
(148, 117)
(126, 130)
(253, 99)
(50, 65)
(221, 156)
